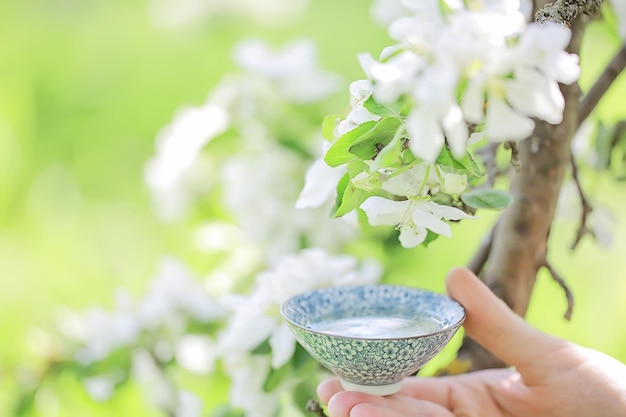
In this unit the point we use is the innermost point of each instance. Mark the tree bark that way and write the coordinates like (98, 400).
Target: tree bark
(519, 243)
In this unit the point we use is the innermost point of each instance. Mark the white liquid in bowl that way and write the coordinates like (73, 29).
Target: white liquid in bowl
(379, 327)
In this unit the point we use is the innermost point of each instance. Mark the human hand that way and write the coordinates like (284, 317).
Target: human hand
(551, 377)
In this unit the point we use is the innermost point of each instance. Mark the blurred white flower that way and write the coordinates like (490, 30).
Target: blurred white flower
(99, 388)
(177, 149)
(619, 6)
(185, 13)
(153, 381)
(413, 217)
(260, 191)
(393, 77)
(175, 295)
(293, 69)
(105, 332)
(248, 374)
(384, 12)
(196, 354)
(188, 405)
(256, 317)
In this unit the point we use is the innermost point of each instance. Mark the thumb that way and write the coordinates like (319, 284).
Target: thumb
(494, 326)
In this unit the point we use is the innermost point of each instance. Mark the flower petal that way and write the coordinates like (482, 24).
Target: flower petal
(536, 96)
(474, 100)
(503, 123)
(411, 237)
(381, 211)
(447, 212)
(319, 184)
(426, 137)
(456, 131)
(283, 344)
(422, 217)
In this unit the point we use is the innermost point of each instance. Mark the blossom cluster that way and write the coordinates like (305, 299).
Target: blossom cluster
(458, 72)
(255, 169)
(255, 319)
(144, 334)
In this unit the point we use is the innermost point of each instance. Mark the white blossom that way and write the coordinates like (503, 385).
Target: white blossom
(256, 316)
(413, 217)
(174, 295)
(360, 91)
(293, 69)
(247, 374)
(196, 353)
(177, 149)
(261, 191)
(509, 72)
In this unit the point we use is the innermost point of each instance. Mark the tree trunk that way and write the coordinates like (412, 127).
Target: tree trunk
(519, 246)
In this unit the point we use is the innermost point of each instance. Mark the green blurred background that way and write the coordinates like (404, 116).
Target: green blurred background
(84, 88)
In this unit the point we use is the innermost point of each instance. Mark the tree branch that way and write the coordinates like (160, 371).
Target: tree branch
(564, 12)
(602, 84)
(314, 407)
(568, 293)
(488, 157)
(586, 208)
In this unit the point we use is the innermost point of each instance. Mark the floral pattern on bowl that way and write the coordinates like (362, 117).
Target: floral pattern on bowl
(380, 354)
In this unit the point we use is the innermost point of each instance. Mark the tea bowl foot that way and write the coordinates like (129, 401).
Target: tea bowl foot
(372, 389)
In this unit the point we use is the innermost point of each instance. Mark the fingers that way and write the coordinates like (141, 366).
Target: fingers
(492, 324)
(357, 404)
(435, 390)
(328, 388)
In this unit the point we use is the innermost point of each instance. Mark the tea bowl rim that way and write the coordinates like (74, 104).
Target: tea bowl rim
(451, 327)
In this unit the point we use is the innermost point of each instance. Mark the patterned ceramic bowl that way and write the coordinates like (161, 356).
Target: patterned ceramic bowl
(373, 336)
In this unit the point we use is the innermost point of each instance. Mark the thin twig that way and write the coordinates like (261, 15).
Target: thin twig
(488, 156)
(515, 160)
(313, 406)
(602, 84)
(586, 207)
(568, 293)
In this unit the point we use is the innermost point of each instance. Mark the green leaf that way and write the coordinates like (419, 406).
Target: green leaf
(301, 357)
(487, 199)
(263, 348)
(348, 197)
(338, 153)
(389, 155)
(378, 109)
(303, 393)
(475, 168)
(341, 188)
(467, 165)
(368, 145)
(277, 376)
(445, 158)
(328, 125)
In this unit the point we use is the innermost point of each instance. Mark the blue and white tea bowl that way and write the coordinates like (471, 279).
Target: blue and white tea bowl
(373, 336)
